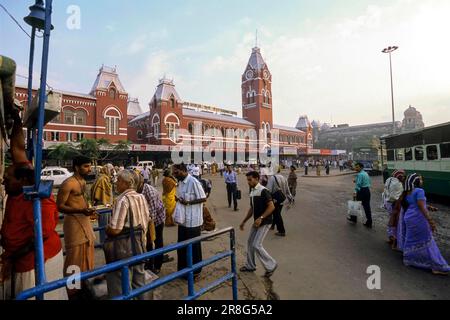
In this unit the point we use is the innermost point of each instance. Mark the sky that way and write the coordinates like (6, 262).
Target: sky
(324, 55)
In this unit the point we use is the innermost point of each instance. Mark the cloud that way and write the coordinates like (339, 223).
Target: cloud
(139, 43)
(336, 70)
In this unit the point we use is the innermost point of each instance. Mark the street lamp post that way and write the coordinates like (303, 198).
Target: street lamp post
(390, 50)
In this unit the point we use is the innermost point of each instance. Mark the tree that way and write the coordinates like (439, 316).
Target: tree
(122, 145)
(64, 151)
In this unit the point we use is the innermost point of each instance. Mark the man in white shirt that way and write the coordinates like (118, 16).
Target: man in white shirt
(188, 213)
(196, 172)
(306, 164)
(145, 173)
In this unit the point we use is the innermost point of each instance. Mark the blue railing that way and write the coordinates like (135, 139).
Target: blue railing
(125, 264)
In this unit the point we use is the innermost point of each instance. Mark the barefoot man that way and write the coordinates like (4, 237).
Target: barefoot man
(78, 232)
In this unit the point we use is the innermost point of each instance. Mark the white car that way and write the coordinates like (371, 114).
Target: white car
(57, 174)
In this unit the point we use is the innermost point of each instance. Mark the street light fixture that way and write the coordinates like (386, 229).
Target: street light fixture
(390, 50)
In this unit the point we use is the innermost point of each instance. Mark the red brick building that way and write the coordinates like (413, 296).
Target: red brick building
(155, 130)
(101, 114)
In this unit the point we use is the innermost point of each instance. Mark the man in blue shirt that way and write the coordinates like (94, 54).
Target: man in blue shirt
(362, 193)
(231, 182)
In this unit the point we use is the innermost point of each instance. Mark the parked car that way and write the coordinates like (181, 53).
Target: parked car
(149, 164)
(57, 174)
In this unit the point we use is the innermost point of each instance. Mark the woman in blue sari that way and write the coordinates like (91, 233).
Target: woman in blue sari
(419, 248)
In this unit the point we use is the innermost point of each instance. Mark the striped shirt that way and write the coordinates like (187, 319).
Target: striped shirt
(190, 189)
(130, 202)
(155, 204)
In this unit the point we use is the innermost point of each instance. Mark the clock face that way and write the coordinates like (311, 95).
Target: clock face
(249, 74)
(266, 75)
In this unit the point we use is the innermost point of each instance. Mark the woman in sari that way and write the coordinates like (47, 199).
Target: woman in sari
(420, 249)
(169, 184)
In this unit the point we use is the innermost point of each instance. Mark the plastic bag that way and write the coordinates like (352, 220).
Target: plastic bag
(354, 208)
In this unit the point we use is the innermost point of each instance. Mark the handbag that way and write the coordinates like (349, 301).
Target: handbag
(127, 244)
(238, 194)
(278, 195)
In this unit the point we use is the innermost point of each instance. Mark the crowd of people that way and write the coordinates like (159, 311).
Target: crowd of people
(410, 228)
(140, 214)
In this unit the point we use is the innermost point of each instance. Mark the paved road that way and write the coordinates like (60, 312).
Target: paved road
(324, 257)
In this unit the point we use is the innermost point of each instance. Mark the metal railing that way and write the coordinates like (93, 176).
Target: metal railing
(125, 264)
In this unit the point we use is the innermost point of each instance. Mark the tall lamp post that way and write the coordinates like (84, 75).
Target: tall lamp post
(390, 50)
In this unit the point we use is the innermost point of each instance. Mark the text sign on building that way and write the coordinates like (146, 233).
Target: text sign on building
(314, 151)
(289, 151)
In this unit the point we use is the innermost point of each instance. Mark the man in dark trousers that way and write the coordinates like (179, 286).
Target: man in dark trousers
(190, 198)
(231, 182)
(362, 193)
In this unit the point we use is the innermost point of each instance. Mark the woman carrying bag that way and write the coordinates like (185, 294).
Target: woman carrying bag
(127, 233)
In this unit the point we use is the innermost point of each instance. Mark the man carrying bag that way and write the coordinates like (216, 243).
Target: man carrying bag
(126, 234)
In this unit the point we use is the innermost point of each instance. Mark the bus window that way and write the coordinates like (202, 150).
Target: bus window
(418, 153)
(432, 152)
(399, 155)
(445, 150)
(408, 154)
(390, 155)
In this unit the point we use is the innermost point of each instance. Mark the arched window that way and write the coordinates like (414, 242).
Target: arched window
(80, 117)
(139, 135)
(155, 125)
(112, 93)
(172, 101)
(112, 121)
(172, 124)
(69, 116)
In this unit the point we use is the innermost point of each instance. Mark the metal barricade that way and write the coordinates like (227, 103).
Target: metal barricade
(125, 264)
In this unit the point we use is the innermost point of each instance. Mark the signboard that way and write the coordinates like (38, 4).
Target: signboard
(325, 152)
(289, 151)
(313, 151)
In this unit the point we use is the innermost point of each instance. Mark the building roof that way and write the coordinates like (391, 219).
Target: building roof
(106, 76)
(165, 90)
(215, 117)
(140, 117)
(256, 60)
(303, 123)
(285, 128)
(134, 108)
(66, 93)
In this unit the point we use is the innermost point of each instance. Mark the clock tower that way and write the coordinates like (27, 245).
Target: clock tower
(257, 92)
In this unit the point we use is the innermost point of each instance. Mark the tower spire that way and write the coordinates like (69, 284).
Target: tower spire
(256, 39)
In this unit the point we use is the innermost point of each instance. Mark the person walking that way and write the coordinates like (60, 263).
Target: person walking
(230, 177)
(327, 167)
(341, 165)
(155, 176)
(190, 198)
(261, 209)
(392, 199)
(279, 190)
(169, 184)
(420, 249)
(306, 164)
(292, 182)
(145, 173)
(362, 193)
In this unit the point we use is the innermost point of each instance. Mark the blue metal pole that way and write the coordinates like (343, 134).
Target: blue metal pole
(39, 243)
(30, 91)
(191, 291)
(125, 282)
(233, 265)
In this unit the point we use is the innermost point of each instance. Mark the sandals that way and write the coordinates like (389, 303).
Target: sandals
(245, 269)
